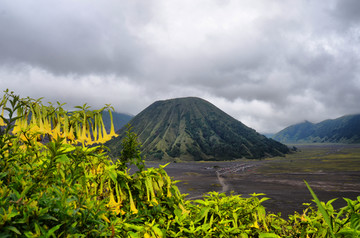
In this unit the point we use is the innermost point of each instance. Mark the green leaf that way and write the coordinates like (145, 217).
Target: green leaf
(112, 173)
(268, 235)
(355, 221)
(163, 166)
(133, 234)
(67, 148)
(347, 232)
(135, 227)
(203, 213)
(13, 229)
(321, 209)
(350, 203)
(158, 231)
(63, 159)
(29, 234)
(263, 199)
(331, 201)
(3, 174)
(37, 229)
(257, 194)
(52, 230)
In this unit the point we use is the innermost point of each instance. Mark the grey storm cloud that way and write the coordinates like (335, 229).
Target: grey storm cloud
(67, 37)
(347, 11)
(260, 61)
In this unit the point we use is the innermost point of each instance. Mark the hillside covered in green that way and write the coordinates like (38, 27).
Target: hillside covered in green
(194, 129)
(345, 129)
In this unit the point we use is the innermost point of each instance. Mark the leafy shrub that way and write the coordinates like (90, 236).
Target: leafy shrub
(56, 180)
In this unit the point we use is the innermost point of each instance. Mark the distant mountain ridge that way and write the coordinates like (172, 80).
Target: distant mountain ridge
(194, 129)
(345, 129)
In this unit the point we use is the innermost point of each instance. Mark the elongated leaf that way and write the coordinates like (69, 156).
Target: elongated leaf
(355, 221)
(321, 209)
(112, 173)
(13, 229)
(268, 235)
(350, 203)
(52, 230)
(158, 231)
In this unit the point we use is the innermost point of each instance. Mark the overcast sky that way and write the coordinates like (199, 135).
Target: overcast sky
(267, 63)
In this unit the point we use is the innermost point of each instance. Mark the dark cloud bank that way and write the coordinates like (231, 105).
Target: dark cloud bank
(267, 63)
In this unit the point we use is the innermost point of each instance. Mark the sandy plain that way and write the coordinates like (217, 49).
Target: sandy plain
(332, 170)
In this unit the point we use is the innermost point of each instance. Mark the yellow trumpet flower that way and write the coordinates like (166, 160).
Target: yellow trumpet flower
(2, 123)
(65, 127)
(132, 204)
(47, 126)
(70, 134)
(95, 130)
(113, 205)
(17, 127)
(112, 130)
(106, 137)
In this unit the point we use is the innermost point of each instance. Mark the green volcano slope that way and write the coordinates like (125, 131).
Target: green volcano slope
(344, 129)
(194, 129)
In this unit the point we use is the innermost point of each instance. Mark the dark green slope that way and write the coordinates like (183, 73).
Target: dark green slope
(194, 129)
(295, 133)
(345, 129)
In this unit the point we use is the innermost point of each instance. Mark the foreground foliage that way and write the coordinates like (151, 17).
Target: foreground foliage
(57, 181)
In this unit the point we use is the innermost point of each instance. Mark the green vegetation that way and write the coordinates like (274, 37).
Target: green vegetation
(316, 158)
(57, 181)
(194, 129)
(345, 129)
